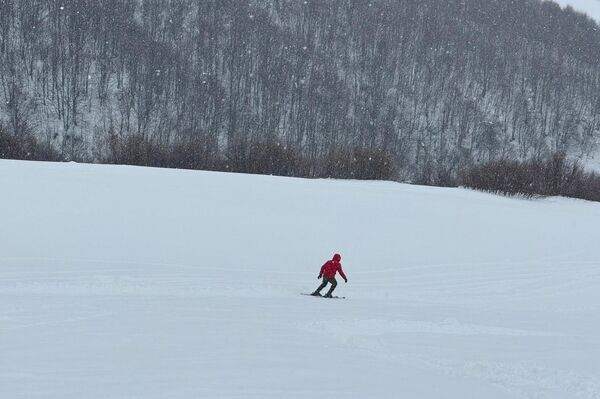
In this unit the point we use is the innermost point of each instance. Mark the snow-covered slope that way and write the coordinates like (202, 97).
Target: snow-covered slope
(124, 282)
(589, 7)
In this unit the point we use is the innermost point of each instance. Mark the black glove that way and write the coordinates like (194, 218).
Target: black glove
(346, 280)
(318, 278)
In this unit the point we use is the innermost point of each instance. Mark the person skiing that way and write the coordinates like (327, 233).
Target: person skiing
(328, 271)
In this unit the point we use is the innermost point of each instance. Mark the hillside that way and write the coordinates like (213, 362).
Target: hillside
(423, 88)
(127, 282)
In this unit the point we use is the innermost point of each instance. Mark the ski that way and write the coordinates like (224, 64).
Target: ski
(320, 296)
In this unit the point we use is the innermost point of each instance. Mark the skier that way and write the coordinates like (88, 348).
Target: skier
(328, 271)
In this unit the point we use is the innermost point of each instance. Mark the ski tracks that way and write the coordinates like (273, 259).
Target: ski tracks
(527, 381)
(566, 284)
(473, 351)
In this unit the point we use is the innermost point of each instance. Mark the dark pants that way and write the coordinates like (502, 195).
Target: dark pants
(327, 280)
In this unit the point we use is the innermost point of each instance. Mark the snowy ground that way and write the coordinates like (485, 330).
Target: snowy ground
(123, 282)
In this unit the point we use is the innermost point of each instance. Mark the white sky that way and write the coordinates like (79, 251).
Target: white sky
(590, 7)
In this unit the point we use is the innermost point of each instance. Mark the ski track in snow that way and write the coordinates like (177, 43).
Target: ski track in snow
(521, 380)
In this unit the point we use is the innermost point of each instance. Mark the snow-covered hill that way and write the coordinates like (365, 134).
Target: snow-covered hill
(589, 7)
(124, 282)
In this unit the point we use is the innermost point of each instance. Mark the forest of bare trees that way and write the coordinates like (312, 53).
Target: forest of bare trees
(413, 90)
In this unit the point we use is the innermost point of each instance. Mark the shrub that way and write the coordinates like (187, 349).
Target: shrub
(273, 159)
(10, 147)
(372, 164)
(266, 158)
(25, 147)
(187, 155)
(359, 163)
(132, 150)
(556, 175)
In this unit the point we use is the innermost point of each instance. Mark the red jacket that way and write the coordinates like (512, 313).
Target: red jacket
(330, 268)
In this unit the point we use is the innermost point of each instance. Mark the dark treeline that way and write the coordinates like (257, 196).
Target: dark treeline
(415, 90)
(556, 175)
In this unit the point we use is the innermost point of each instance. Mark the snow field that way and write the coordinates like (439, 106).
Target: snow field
(124, 282)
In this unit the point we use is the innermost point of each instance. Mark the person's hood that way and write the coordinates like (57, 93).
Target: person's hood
(337, 257)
